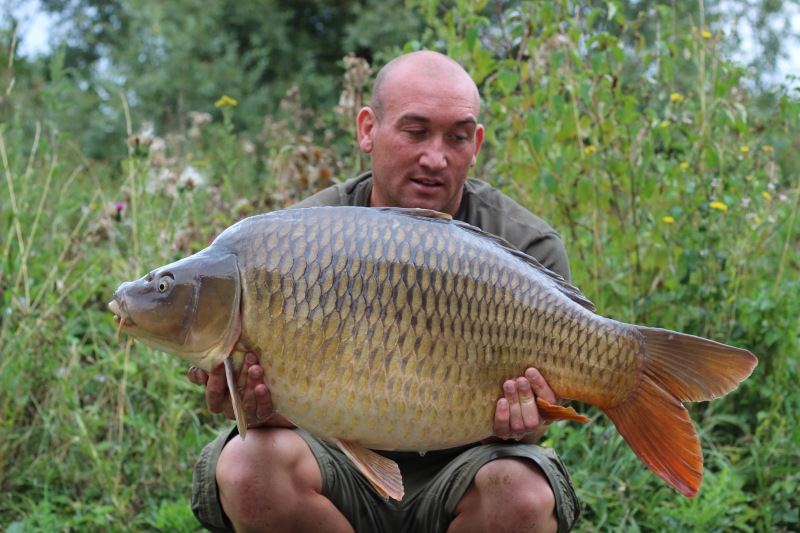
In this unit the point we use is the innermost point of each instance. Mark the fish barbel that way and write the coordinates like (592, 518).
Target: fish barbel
(394, 329)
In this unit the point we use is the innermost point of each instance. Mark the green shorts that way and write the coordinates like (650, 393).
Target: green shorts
(434, 484)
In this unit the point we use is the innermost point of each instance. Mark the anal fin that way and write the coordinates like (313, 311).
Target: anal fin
(382, 473)
(238, 407)
(554, 413)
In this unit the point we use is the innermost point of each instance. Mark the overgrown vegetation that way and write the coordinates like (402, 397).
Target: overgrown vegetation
(675, 192)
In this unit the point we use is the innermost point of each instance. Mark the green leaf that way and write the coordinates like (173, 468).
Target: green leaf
(555, 59)
(618, 53)
(649, 188)
(412, 46)
(597, 62)
(583, 90)
(596, 12)
(532, 120)
(508, 79)
(538, 140)
(585, 190)
(483, 65)
(550, 182)
(612, 10)
(471, 37)
(712, 159)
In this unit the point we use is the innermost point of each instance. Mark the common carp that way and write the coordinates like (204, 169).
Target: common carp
(394, 329)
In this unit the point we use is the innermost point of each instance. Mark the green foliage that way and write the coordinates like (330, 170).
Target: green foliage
(676, 196)
(674, 187)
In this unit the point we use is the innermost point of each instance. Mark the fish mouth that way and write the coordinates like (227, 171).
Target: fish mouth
(121, 316)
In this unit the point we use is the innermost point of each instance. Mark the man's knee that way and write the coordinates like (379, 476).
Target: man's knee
(265, 474)
(511, 494)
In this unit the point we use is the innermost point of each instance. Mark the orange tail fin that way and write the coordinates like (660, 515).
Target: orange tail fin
(678, 368)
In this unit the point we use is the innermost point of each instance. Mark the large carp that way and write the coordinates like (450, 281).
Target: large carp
(393, 329)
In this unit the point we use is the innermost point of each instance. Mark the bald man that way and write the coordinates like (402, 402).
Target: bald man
(423, 136)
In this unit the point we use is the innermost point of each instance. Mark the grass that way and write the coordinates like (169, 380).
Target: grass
(96, 436)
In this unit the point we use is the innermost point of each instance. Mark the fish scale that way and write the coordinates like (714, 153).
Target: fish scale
(394, 329)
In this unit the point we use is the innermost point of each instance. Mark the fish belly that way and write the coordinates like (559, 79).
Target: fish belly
(397, 332)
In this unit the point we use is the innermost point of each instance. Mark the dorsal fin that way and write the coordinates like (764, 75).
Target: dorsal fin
(415, 212)
(569, 290)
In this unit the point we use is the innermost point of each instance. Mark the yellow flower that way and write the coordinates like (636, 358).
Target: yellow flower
(676, 97)
(665, 124)
(226, 101)
(718, 205)
(744, 149)
(684, 165)
(757, 219)
(590, 149)
(668, 220)
(767, 148)
(766, 195)
(706, 34)
(92, 207)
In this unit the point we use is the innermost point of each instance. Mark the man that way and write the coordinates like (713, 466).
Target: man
(423, 135)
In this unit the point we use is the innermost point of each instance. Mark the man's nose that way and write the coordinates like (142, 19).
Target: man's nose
(433, 157)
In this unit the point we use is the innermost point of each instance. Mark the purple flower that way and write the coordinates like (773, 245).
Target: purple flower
(120, 206)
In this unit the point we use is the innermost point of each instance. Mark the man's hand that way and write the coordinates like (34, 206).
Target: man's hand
(517, 416)
(256, 399)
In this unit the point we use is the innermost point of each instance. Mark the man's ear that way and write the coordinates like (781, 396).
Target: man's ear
(367, 123)
(478, 143)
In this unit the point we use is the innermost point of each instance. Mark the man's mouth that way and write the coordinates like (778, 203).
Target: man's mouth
(426, 182)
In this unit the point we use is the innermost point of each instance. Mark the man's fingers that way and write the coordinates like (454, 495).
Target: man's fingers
(502, 415)
(217, 391)
(515, 411)
(197, 376)
(527, 403)
(257, 400)
(540, 387)
(242, 379)
(261, 397)
(263, 402)
(252, 373)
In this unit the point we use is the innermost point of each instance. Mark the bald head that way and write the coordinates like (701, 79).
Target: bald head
(427, 67)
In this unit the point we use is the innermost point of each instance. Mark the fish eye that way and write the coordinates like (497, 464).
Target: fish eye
(165, 284)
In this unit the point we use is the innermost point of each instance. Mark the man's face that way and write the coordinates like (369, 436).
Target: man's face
(426, 141)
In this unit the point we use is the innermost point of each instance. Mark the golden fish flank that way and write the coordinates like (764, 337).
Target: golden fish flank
(394, 329)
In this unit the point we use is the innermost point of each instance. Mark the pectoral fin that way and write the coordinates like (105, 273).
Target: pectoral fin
(554, 413)
(382, 473)
(238, 408)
